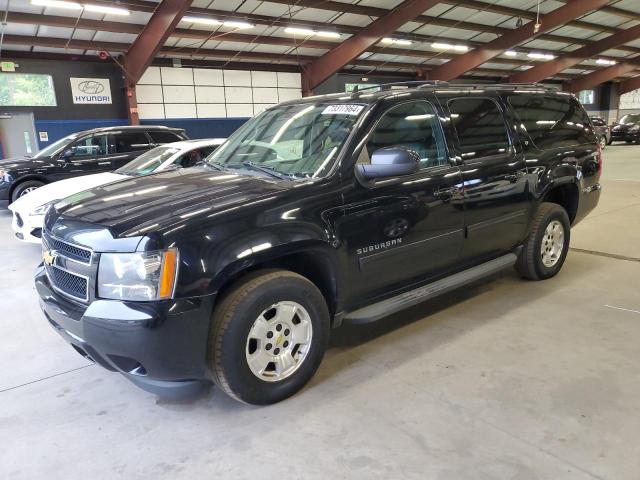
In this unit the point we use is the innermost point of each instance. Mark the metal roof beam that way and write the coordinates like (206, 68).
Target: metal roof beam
(548, 69)
(153, 36)
(629, 85)
(603, 75)
(492, 49)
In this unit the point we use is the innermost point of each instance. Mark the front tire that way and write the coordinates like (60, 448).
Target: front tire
(268, 337)
(547, 245)
(603, 142)
(24, 188)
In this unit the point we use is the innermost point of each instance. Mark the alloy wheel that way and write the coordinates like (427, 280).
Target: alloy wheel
(552, 243)
(279, 341)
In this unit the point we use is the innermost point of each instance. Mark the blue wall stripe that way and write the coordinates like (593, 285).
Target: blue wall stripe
(194, 127)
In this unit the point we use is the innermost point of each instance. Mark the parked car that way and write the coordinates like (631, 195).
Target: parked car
(82, 153)
(602, 131)
(28, 210)
(318, 211)
(626, 129)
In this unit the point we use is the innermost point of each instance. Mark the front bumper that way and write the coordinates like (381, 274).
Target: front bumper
(27, 228)
(159, 346)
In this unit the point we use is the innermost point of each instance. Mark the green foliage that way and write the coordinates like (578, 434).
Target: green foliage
(26, 90)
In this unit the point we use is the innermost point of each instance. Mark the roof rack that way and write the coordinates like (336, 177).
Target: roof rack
(414, 83)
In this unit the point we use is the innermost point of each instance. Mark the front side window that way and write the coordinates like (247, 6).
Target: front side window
(412, 125)
(93, 146)
(480, 127)
(552, 121)
(301, 140)
(131, 142)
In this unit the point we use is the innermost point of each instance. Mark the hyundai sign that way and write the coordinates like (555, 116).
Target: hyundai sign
(90, 90)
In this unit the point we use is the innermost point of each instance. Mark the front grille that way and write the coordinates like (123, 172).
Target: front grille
(19, 221)
(71, 251)
(69, 283)
(68, 267)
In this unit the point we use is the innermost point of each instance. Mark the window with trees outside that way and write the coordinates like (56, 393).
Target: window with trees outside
(26, 90)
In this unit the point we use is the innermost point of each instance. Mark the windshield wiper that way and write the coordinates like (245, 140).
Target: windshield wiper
(214, 165)
(261, 168)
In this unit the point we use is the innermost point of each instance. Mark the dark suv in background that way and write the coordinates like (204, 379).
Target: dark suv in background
(627, 129)
(82, 153)
(602, 131)
(328, 209)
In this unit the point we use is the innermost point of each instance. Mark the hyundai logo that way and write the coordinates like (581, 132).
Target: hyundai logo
(91, 87)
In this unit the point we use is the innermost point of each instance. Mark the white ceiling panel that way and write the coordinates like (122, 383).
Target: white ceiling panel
(58, 50)
(246, 6)
(388, 4)
(314, 14)
(488, 18)
(311, 52)
(83, 34)
(616, 53)
(275, 49)
(603, 18)
(573, 32)
(544, 45)
(115, 37)
(434, 31)
(18, 48)
(59, 32)
(438, 10)
(20, 29)
(353, 20)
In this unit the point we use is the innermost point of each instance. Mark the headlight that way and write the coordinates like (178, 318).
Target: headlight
(137, 276)
(635, 128)
(42, 209)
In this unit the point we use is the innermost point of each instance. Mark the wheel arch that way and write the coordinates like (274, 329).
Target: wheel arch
(26, 178)
(566, 194)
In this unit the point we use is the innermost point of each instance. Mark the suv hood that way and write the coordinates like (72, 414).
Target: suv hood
(19, 164)
(157, 202)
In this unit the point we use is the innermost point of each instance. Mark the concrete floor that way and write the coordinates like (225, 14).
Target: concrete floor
(503, 380)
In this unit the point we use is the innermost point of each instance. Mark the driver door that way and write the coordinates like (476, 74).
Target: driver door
(90, 154)
(407, 229)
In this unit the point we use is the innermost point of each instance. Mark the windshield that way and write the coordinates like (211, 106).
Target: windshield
(292, 140)
(55, 146)
(156, 159)
(631, 118)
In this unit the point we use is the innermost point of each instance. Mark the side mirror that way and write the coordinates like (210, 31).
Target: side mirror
(390, 162)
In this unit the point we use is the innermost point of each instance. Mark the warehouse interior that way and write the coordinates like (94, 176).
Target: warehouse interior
(501, 379)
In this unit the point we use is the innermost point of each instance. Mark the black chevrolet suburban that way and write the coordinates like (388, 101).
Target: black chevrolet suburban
(330, 209)
(91, 151)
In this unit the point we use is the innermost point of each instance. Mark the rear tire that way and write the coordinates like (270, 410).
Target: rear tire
(603, 142)
(24, 188)
(268, 337)
(547, 245)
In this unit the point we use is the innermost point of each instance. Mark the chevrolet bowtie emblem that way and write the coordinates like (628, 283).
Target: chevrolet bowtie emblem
(49, 256)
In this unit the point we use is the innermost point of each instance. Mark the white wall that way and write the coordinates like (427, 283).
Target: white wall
(630, 100)
(168, 92)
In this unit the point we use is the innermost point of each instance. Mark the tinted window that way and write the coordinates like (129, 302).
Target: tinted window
(189, 159)
(552, 121)
(131, 142)
(93, 146)
(149, 162)
(480, 127)
(631, 118)
(412, 125)
(598, 122)
(164, 137)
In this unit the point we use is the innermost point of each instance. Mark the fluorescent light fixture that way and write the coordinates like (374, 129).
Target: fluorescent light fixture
(299, 31)
(57, 4)
(604, 61)
(448, 46)
(511, 53)
(105, 9)
(396, 41)
(237, 24)
(326, 34)
(541, 56)
(205, 21)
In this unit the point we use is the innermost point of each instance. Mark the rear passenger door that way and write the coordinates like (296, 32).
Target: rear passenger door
(497, 200)
(128, 145)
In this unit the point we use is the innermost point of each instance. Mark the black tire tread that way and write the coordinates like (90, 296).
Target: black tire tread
(224, 314)
(526, 264)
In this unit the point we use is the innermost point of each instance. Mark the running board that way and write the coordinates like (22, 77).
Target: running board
(395, 304)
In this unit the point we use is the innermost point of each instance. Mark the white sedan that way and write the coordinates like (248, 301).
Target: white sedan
(28, 211)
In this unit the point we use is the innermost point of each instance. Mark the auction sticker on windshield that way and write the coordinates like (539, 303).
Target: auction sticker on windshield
(346, 109)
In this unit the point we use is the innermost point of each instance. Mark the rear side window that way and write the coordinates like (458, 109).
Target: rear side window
(480, 127)
(552, 121)
(131, 142)
(413, 125)
(164, 137)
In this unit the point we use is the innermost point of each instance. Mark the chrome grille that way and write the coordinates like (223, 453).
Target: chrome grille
(69, 268)
(72, 251)
(69, 283)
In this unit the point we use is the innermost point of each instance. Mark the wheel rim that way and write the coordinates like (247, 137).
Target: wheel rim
(603, 142)
(27, 190)
(279, 341)
(552, 243)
